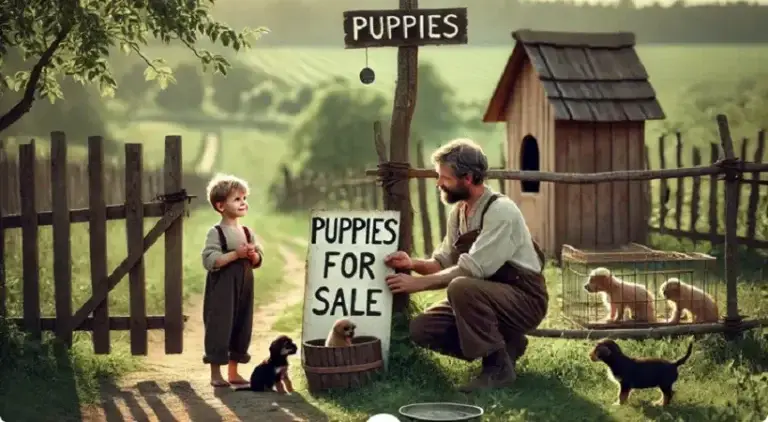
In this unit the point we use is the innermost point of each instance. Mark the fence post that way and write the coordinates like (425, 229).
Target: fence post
(174, 254)
(426, 225)
(754, 193)
(663, 188)
(714, 220)
(62, 253)
(29, 239)
(3, 185)
(97, 230)
(732, 176)
(680, 194)
(695, 192)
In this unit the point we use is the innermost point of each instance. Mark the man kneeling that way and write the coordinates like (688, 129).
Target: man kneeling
(490, 265)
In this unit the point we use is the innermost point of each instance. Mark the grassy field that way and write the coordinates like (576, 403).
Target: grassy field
(255, 154)
(722, 381)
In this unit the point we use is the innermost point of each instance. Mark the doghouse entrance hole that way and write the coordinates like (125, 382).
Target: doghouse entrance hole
(529, 161)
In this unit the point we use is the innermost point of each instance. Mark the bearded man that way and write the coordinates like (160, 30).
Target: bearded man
(490, 266)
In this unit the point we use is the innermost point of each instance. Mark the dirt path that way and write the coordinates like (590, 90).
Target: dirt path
(176, 387)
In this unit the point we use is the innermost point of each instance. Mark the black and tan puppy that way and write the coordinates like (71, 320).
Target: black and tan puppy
(273, 373)
(341, 334)
(631, 373)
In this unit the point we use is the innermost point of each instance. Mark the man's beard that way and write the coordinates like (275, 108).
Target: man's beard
(459, 193)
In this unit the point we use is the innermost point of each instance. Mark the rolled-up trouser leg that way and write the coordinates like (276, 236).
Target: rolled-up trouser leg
(218, 320)
(243, 319)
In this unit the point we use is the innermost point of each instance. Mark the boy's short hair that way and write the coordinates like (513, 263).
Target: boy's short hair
(222, 185)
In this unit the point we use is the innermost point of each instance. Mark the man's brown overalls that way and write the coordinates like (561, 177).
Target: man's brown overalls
(484, 316)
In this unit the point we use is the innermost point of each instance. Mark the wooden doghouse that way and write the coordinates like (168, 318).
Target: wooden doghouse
(577, 103)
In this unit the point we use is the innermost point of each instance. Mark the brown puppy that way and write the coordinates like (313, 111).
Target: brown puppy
(694, 301)
(619, 295)
(341, 334)
(640, 373)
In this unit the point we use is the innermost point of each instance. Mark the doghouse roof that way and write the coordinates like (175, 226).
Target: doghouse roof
(595, 77)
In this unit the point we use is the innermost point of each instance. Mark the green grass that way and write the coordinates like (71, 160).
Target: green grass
(558, 382)
(28, 368)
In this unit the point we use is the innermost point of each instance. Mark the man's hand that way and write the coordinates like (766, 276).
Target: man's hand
(404, 283)
(398, 261)
(243, 250)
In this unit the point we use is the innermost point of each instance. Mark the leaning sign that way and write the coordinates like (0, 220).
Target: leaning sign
(400, 28)
(346, 273)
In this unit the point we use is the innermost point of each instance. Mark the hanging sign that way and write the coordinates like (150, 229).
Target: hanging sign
(400, 28)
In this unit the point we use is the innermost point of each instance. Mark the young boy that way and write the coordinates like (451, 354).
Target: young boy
(230, 255)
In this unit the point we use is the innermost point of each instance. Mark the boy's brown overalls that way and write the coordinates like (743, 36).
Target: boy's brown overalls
(483, 316)
(228, 309)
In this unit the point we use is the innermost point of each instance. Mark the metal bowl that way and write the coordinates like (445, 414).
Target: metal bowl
(441, 412)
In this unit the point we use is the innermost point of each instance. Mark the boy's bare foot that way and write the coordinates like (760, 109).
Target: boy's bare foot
(216, 379)
(234, 376)
(236, 379)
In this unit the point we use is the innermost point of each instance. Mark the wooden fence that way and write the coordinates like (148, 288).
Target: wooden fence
(309, 190)
(94, 178)
(728, 164)
(152, 183)
(682, 214)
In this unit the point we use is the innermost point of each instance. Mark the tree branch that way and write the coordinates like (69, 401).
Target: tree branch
(25, 104)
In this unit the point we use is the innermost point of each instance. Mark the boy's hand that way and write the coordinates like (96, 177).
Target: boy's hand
(243, 250)
(254, 256)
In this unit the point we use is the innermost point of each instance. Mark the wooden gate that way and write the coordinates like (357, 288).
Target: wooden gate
(170, 207)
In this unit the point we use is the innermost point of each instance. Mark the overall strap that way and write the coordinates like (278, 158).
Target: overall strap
(247, 235)
(222, 238)
(488, 205)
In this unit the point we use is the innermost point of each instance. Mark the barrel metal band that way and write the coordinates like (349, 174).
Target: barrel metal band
(344, 369)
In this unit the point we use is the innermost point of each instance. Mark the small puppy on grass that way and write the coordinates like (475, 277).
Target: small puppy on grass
(689, 299)
(619, 295)
(273, 372)
(631, 373)
(341, 334)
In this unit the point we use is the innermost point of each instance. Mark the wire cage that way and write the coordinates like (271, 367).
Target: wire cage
(643, 266)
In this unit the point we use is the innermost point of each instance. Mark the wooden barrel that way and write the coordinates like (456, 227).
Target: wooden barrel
(334, 368)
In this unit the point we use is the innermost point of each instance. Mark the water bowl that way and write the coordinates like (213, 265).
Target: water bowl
(441, 412)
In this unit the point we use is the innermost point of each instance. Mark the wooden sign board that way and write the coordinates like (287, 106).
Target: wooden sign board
(399, 28)
(346, 273)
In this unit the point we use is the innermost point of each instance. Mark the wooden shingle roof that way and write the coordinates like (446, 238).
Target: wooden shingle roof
(595, 77)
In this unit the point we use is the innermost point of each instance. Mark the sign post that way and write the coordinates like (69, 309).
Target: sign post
(346, 273)
(407, 28)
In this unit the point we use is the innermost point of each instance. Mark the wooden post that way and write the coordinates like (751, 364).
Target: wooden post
(406, 30)
(174, 254)
(732, 318)
(680, 194)
(695, 192)
(97, 230)
(29, 238)
(664, 189)
(134, 228)
(754, 193)
(62, 254)
(426, 225)
(714, 220)
(3, 185)
(502, 182)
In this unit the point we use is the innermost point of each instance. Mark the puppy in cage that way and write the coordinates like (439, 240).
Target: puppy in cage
(619, 295)
(690, 300)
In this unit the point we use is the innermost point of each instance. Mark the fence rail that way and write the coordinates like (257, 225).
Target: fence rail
(152, 184)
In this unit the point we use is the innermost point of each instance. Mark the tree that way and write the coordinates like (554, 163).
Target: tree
(187, 95)
(73, 39)
(335, 135)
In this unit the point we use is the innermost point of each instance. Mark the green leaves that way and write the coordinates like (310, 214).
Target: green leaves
(91, 30)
